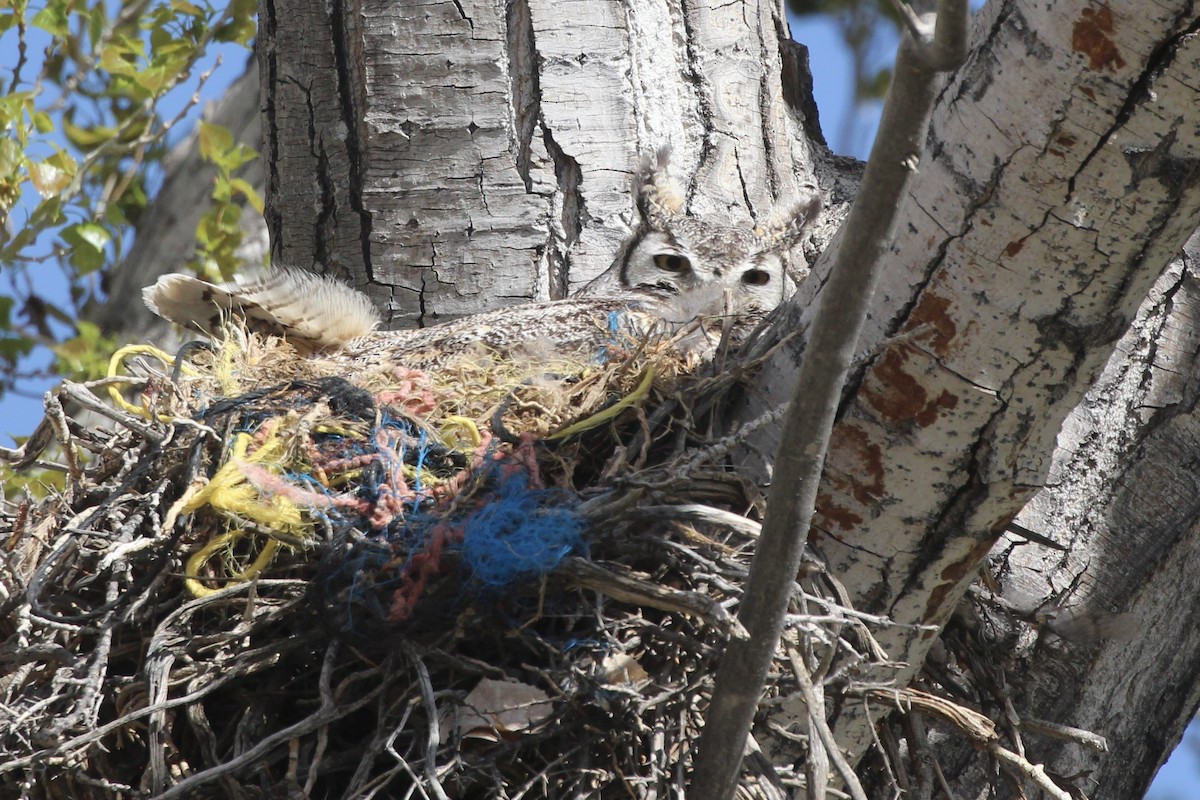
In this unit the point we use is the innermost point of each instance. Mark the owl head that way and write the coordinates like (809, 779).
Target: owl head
(673, 254)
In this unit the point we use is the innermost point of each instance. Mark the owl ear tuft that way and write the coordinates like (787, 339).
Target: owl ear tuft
(659, 198)
(787, 224)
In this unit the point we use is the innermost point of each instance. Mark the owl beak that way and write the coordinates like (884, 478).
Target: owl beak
(662, 288)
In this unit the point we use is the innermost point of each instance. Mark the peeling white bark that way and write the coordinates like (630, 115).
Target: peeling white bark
(1043, 212)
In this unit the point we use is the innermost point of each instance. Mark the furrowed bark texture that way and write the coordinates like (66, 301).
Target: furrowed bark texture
(455, 157)
(1043, 212)
(1123, 498)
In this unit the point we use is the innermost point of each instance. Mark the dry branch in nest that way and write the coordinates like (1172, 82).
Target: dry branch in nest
(269, 578)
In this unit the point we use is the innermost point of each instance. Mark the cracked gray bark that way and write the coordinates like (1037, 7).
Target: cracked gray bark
(455, 157)
(451, 158)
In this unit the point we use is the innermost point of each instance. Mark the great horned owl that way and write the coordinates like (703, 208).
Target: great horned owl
(321, 316)
(674, 273)
(672, 254)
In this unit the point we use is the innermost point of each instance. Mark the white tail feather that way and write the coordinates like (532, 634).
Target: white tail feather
(312, 311)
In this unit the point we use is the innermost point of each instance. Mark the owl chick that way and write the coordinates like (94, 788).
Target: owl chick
(712, 267)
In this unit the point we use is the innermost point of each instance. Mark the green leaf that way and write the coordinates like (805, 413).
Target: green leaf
(14, 347)
(49, 179)
(95, 26)
(98, 83)
(42, 122)
(160, 38)
(53, 19)
(87, 138)
(87, 241)
(185, 7)
(244, 188)
(12, 106)
(231, 218)
(121, 56)
(23, 238)
(91, 233)
(154, 79)
(47, 213)
(242, 26)
(84, 357)
(86, 260)
(11, 157)
(215, 140)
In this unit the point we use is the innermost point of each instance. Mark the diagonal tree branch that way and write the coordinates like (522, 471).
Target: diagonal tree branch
(822, 374)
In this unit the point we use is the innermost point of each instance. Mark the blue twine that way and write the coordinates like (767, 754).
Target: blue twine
(422, 451)
(614, 337)
(614, 325)
(520, 533)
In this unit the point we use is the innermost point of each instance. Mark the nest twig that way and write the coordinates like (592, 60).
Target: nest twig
(228, 594)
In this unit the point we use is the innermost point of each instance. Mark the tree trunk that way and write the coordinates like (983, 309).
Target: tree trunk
(495, 167)
(1053, 192)
(456, 157)
(1121, 502)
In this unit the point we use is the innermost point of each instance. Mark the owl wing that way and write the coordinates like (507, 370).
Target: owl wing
(319, 314)
(314, 312)
(534, 331)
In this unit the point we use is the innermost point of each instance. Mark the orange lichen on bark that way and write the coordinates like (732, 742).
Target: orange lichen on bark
(855, 471)
(900, 397)
(1091, 36)
(932, 312)
(952, 575)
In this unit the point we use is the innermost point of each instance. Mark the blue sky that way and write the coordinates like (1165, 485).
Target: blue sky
(21, 411)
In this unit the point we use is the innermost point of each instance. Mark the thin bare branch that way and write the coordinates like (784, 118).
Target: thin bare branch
(810, 417)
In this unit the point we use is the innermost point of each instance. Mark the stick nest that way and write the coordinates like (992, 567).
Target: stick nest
(282, 577)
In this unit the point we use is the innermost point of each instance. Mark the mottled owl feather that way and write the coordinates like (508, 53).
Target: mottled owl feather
(316, 314)
(575, 328)
(313, 311)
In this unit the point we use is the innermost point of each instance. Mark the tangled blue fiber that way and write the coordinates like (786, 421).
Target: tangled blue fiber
(520, 533)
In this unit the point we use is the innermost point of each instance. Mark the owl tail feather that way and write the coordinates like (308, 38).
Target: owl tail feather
(312, 311)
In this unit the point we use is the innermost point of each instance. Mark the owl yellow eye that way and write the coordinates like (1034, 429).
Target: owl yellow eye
(669, 262)
(756, 277)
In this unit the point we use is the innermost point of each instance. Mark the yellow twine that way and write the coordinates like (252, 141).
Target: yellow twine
(114, 371)
(229, 491)
(453, 423)
(197, 560)
(224, 371)
(600, 417)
